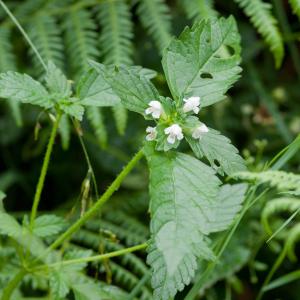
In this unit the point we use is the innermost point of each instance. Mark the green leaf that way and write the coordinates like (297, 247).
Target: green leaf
(59, 284)
(10, 227)
(94, 90)
(195, 63)
(186, 205)
(134, 89)
(48, 225)
(73, 108)
(219, 151)
(57, 82)
(23, 88)
(181, 190)
(87, 291)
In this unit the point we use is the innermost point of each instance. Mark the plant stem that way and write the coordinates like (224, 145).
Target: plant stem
(7, 292)
(94, 258)
(41, 181)
(27, 38)
(275, 267)
(99, 203)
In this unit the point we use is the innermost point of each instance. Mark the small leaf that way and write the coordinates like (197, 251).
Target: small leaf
(59, 284)
(57, 82)
(73, 108)
(23, 88)
(87, 291)
(218, 150)
(48, 225)
(194, 63)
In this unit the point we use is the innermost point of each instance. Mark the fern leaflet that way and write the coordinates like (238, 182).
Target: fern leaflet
(261, 16)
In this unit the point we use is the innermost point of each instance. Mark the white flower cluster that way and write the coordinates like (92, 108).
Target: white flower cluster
(174, 132)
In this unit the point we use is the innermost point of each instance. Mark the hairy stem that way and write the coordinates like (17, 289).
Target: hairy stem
(99, 203)
(41, 181)
(7, 292)
(94, 258)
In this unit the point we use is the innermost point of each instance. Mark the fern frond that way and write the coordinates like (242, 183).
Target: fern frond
(116, 43)
(295, 4)
(199, 9)
(281, 180)
(261, 17)
(95, 117)
(155, 17)
(116, 32)
(8, 63)
(46, 36)
(81, 39)
(277, 206)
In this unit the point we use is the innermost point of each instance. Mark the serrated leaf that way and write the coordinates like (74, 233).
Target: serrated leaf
(23, 88)
(181, 189)
(57, 82)
(94, 90)
(87, 291)
(186, 205)
(219, 151)
(59, 284)
(9, 226)
(134, 89)
(194, 63)
(73, 108)
(48, 225)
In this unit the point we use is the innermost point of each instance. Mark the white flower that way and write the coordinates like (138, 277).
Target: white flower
(155, 109)
(191, 104)
(200, 131)
(174, 132)
(152, 133)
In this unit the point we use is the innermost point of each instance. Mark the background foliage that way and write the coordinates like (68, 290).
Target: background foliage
(261, 116)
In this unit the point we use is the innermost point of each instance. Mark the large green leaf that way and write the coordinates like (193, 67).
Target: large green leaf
(218, 149)
(204, 60)
(187, 204)
(23, 88)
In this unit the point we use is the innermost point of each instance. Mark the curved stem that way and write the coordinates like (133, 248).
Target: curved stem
(40, 185)
(94, 258)
(99, 203)
(7, 292)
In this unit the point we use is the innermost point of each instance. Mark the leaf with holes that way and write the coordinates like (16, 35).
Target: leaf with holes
(200, 62)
